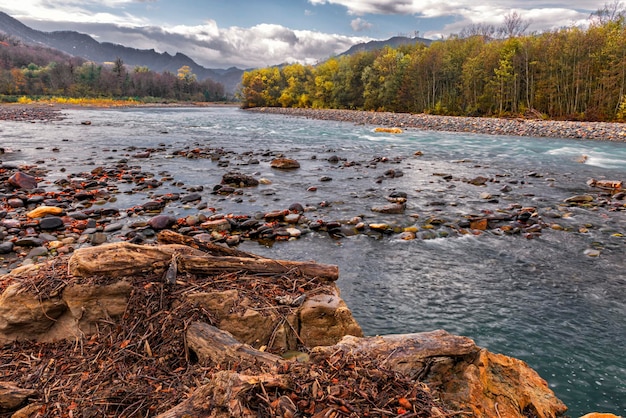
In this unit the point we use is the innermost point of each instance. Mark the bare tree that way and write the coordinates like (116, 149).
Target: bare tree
(611, 12)
(513, 25)
(485, 30)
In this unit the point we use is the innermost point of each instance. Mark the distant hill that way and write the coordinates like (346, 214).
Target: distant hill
(84, 46)
(394, 42)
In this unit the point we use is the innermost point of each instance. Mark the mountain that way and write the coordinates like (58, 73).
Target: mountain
(394, 42)
(84, 46)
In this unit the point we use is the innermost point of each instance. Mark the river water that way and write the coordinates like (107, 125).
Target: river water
(556, 301)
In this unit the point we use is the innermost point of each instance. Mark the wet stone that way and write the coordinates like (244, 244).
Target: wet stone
(29, 242)
(51, 223)
(160, 222)
(113, 227)
(193, 197)
(6, 247)
(239, 180)
(15, 203)
(23, 181)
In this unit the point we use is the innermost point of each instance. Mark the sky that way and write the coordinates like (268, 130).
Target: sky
(260, 33)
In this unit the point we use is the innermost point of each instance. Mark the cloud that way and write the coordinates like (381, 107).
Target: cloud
(214, 47)
(544, 15)
(359, 25)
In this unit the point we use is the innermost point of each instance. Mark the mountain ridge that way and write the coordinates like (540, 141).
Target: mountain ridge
(84, 46)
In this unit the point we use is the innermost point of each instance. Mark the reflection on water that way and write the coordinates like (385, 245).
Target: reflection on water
(541, 300)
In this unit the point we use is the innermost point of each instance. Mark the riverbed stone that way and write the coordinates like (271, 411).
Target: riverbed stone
(37, 252)
(217, 225)
(22, 180)
(29, 242)
(285, 163)
(6, 247)
(239, 180)
(51, 223)
(42, 211)
(394, 208)
(161, 222)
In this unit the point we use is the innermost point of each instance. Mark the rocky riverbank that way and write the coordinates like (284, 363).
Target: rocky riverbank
(80, 210)
(168, 331)
(490, 126)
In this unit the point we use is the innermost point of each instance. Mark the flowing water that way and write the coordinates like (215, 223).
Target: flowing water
(544, 300)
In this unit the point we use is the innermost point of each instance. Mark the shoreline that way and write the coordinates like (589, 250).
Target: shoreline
(598, 131)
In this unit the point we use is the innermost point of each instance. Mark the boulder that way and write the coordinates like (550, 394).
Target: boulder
(325, 319)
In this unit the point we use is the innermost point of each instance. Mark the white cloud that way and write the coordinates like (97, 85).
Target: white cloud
(359, 24)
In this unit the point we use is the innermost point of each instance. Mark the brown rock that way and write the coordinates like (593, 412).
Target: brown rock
(325, 319)
(479, 224)
(11, 396)
(394, 209)
(23, 181)
(284, 163)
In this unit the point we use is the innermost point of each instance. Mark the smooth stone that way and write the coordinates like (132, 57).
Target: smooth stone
(23, 181)
(217, 225)
(592, 253)
(265, 181)
(10, 223)
(193, 197)
(15, 203)
(37, 252)
(47, 237)
(160, 222)
(233, 240)
(296, 208)
(51, 223)
(113, 227)
(29, 242)
(478, 181)
(579, 199)
(6, 247)
(42, 211)
(292, 218)
(379, 226)
(293, 232)
(98, 238)
(284, 163)
(396, 208)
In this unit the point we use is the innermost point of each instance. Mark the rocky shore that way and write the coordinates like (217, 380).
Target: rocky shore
(490, 126)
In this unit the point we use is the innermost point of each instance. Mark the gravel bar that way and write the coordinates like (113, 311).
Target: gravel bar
(601, 131)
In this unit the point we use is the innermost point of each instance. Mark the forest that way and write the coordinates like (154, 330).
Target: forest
(38, 72)
(571, 73)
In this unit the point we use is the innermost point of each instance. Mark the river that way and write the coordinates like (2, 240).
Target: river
(556, 300)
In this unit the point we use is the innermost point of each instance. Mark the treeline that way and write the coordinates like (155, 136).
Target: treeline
(34, 71)
(571, 73)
